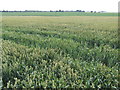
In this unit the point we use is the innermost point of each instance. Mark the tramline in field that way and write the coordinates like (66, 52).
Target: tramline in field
(60, 52)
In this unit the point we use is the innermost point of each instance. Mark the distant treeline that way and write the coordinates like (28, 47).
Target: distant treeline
(51, 11)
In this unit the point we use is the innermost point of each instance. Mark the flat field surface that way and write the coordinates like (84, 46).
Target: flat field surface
(57, 14)
(60, 52)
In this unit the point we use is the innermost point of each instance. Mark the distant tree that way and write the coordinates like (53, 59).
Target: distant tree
(60, 10)
(3, 11)
(91, 11)
(51, 11)
(77, 10)
(80, 11)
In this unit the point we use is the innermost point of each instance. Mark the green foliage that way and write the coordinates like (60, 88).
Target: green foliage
(33, 67)
(60, 52)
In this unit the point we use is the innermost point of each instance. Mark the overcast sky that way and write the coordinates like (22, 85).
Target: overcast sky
(87, 5)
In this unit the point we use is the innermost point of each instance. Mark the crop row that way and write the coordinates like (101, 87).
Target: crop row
(48, 68)
(82, 37)
(60, 52)
(103, 53)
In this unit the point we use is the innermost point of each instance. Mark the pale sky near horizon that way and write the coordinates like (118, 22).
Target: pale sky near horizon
(87, 5)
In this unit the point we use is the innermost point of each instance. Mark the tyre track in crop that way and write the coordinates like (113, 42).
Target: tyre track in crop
(74, 49)
(82, 39)
(42, 42)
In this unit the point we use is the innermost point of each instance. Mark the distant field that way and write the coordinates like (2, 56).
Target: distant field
(60, 52)
(57, 14)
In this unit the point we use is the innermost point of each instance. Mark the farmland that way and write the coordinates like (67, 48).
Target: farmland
(57, 14)
(60, 52)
